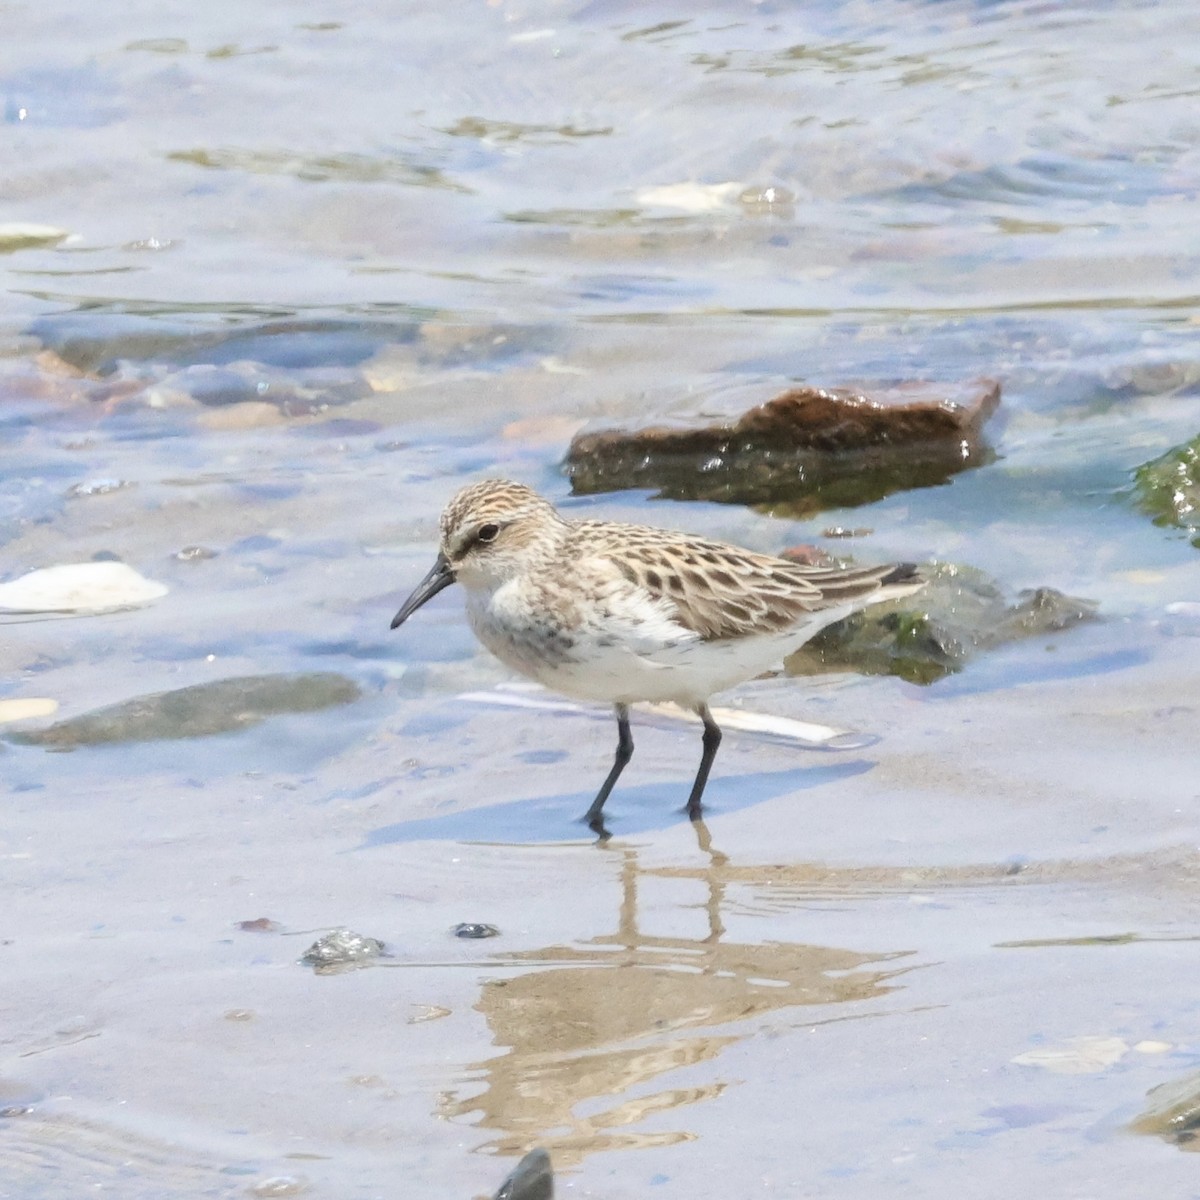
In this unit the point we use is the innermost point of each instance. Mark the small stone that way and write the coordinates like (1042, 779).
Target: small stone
(98, 487)
(341, 949)
(280, 1185)
(260, 925)
(240, 1014)
(429, 1012)
(249, 414)
(194, 554)
(151, 243)
(472, 929)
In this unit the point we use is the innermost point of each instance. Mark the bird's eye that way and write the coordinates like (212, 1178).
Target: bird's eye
(487, 533)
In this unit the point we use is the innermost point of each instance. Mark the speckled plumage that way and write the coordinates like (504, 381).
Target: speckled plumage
(622, 613)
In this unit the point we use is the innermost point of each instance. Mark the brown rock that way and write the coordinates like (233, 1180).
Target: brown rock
(260, 925)
(809, 447)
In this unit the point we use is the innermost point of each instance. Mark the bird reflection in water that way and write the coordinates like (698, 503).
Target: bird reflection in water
(605, 1018)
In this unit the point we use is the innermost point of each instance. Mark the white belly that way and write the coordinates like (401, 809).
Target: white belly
(627, 657)
(687, 674)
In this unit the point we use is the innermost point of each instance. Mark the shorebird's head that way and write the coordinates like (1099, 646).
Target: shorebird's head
(490, 530)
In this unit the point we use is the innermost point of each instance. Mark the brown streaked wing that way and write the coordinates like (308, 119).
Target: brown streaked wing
(720, 590)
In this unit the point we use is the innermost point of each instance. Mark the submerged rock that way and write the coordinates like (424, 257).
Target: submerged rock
(237, 384)
(805, 450)
(531, 1179)
(279, 1185)
(98, 487)
(98, 342)
(1087, 1055)
(929, 635)
(260, 925)
(1167, 489)
(1173, 1112)
(341, 950)
(82, 588)
(198, 711)
(194, 554)
(475, 929)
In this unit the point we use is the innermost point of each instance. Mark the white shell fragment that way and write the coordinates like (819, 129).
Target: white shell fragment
(800, 733)
(24, 710)
(81, 588)
(690, 197)
(1076, 1056)
(1152, 1047)
(16, 235)
(785, 729)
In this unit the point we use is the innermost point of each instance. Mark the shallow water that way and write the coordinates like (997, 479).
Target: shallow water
(320, 267)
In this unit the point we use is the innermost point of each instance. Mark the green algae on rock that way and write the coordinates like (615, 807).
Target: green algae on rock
(925, 637)
(1167, 489)
(202, 710)
(1173, 1112)
(531, 1179)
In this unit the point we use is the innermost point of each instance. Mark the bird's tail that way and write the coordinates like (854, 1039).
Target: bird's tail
(901, 573)
(901, 580)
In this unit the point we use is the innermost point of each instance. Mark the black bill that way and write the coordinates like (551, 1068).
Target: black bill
(441, 575)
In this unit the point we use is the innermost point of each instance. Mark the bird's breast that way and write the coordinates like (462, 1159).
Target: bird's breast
(524, 635)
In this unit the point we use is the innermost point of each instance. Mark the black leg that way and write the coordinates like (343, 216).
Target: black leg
(624, 754)
(711, 740)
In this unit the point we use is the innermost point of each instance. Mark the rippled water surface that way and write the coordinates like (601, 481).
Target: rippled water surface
(277, 279)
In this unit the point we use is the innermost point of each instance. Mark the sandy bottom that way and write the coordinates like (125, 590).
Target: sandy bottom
(947, 964)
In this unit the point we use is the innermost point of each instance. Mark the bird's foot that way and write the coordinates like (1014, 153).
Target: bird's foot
(595, 822)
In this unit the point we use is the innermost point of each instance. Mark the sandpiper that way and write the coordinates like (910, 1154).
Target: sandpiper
(622, 613)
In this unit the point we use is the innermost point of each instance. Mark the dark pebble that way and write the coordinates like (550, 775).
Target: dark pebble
(470, 929)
